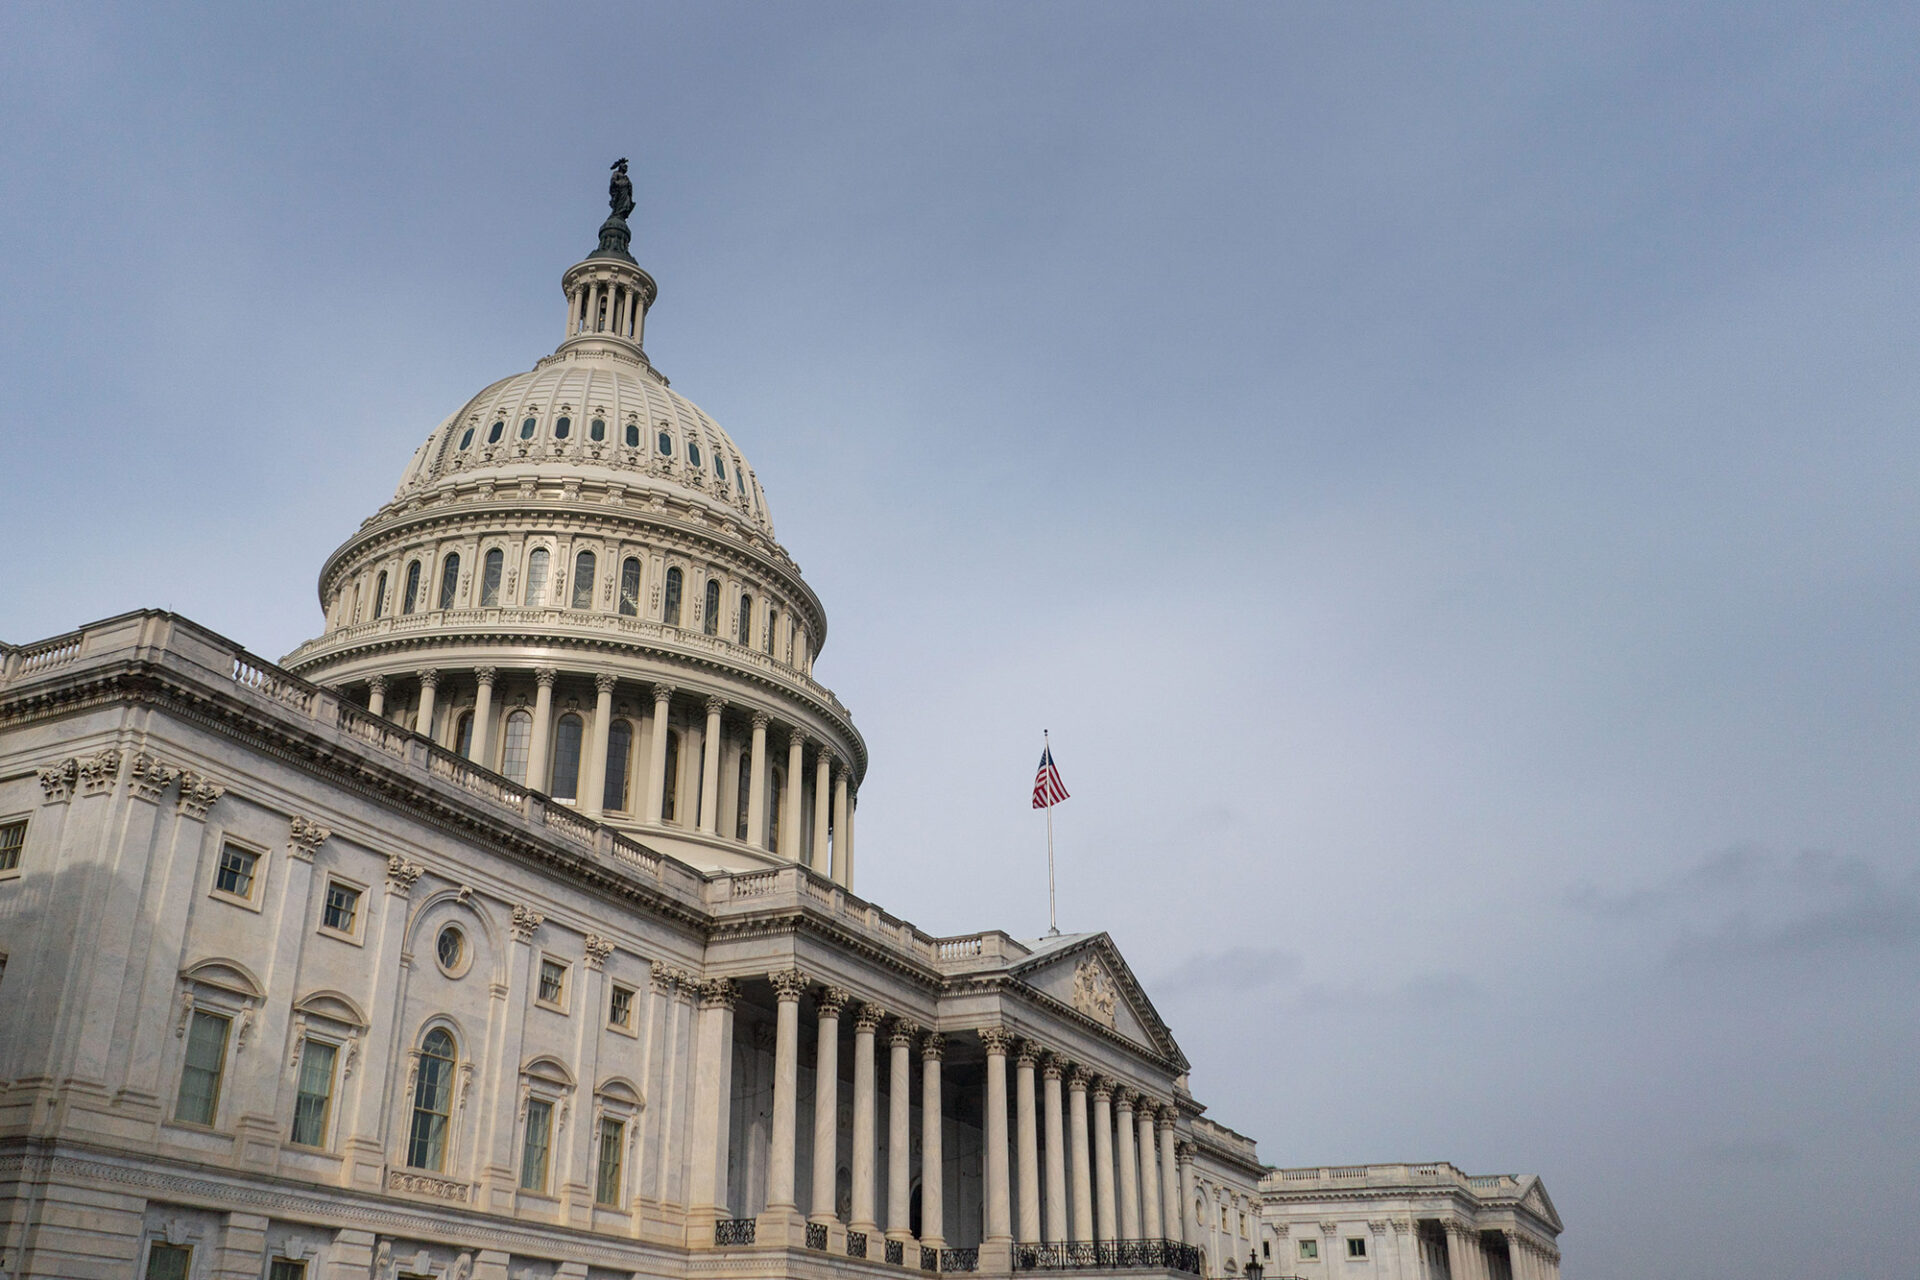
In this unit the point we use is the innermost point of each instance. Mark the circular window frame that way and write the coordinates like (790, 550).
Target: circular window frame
(465, 963)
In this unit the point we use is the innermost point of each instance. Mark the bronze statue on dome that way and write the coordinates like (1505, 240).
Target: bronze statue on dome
(615, 235)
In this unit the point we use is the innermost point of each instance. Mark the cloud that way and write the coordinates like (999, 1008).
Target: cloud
(1236, 969)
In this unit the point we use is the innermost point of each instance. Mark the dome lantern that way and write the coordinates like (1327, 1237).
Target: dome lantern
(607, 293)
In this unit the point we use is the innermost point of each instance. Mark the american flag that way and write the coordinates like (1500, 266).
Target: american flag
(1048, 790)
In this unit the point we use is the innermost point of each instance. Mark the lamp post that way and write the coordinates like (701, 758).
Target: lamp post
(1254, 1271)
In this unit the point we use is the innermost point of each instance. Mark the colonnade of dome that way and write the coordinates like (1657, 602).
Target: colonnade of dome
(577, 585)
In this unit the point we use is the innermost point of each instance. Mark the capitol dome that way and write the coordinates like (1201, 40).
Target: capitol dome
(576, 585)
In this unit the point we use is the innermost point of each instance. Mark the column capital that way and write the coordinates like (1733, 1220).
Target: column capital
(718, 993)
(545, 676)
(1455, 1227)
(933, 1046)
(401, 874)
(715, 704)
(377, 684)
(1377, 1226)
(664, 977)
(486, 675)
(304, 836)
(1329, 1228)
(1052, 1066)
(761, 720)
(1183, 1153)
(1076, 1077)
(869, 1017)
(839, 770)
(1166, 1116)
(429, 677)
(1124, 1098)
(604, 682)
(1027, 1054)
(797, 740)
(788, 984)
(997, 1040)
(598, 949)
(1401, 1226)
(662, 694)
(1102, 1087)
(831, 1001)
(904, 1033)
(525, 921)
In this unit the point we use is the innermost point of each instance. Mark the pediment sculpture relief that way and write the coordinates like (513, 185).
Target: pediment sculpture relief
(1093, 992)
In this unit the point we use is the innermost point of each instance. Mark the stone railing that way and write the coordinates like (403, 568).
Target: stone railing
(1318, 1177)
(1110, 1255)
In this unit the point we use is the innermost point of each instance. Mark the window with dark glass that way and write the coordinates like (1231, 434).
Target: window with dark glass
(199, 1098)
(466, 437)
(630, 586)
(412, 595)
(1356, 1246)
(342, 907)
(606, 1182)
(597, 429)
(463, 735)
(562, 428)
(719, 464)
(665, 443)
(633, 435)
(380, 594)
(235, 874)
(566, 759)
(490, 570)
(451, 948)
(314, 1096)
(432, 1103)
(526, 428)
(773, 627)
(168, 1261)
(584, 567)
(533, 1151)
(497, 430)
(672, 610)
(620, 1007)
(513, 750)
(619, 747)
(745, 634)
(693, 454)
(13, 838)
(711, 622)
(553, 982)
(449, 580)
(538, 565)
(287, 1269)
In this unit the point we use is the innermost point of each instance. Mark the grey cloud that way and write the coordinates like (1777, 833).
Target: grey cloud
(1236, 969)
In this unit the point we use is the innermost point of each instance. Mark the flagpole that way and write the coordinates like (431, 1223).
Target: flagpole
(1053, 921)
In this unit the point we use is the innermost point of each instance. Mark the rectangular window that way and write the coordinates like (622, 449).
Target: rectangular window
(315, 1096)
(168, 1261)
(199, 1099)
(342, 907)
(553, 982)
(620, 1007)
(1356, 1247)
(13, 838)
(287, 1269)
(1309, 1250)
(533, 1152)
(236, 871)
(606, 1185)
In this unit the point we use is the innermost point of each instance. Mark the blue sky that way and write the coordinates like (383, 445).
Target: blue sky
(1445, 477)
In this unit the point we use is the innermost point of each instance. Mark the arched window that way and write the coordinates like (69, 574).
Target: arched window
(449, 580)
(562, 428)
(746, 792)
(566, 759)
(584, 565)
(672, 611)
(495, 431)
(537, 565)
(773, 628)
(670, 771)
(746, 620)
(412, 596)
(597, 430)
(513, 748)
(630, 586)
(665, 443)
(490, 577)
(463, 735)
(380, 594)
(711, 623)
(432, 1103)
(633, 435)
(619, 747)
(526, 428)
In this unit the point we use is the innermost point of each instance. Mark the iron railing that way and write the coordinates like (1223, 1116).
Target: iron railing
(733, 1231)
(897, 1253)
(929, 1258)
(816, 1235)
(960, 1259)
(856, 1244)
(1108, 1255)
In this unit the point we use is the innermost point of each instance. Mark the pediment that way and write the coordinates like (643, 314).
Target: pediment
(1536, 1201)
(333, 1006)
(227, 975)
(1088, 975)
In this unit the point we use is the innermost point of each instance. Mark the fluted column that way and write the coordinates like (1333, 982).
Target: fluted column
(933, 1047)
(657, 779)
(593, 802)
(900, 1133)
(757, 785)
(1460, 1252)
(840, 826)
(1519, 1265)
(788, 985)
(822, 810)
(1129, 1165)
(710, 771)
(1150, 1206)
(482, 717)
(845, 855)
(1056, 1223)
(1173, 1204)
(1082, 1189)
(377, 695)
(429, 685)
(791, 804)
(999, 1207)
(1105, 1219)
(864, 1026)
(826, 1102)
(542, 726)
(1027, 1138)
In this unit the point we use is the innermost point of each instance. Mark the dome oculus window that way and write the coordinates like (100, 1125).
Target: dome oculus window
(494, 432)
(562, 427)
(665, 442)
(526, 428)
(450, 949)
(633, 435)
(466, 437)
(597, 430)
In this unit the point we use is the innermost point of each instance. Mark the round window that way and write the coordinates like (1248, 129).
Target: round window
(526, 429)
(466, 437)
(495, 431)
(598, 430)
(561, 428)
(451, 950)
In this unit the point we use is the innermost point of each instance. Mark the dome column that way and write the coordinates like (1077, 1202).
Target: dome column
(591, 803)
(429, 684)
(377, 695)
(757, 784)
(482, 715)
(710, 771)
(841, 870)
(542, 725)
(657, 780)
(822, 811)
(790, 814)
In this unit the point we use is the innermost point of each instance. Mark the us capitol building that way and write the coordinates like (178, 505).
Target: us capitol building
(509, 929)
